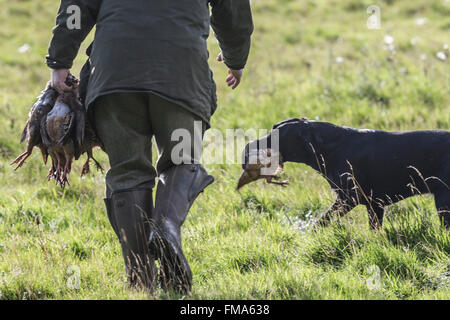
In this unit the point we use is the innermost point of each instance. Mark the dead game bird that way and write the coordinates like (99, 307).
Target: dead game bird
(32, 132)
(261, 163)
(62, 131)
(89, 143)
(59, 127)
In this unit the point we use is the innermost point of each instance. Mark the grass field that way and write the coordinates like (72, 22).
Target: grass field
(314, 59)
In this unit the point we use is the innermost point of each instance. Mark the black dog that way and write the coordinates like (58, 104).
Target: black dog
(370, 167)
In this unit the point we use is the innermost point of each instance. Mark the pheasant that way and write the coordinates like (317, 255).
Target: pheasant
(66, 134)
(62, 131)
(261, 163)
(32, 133)
(89, 143)
(58, 126)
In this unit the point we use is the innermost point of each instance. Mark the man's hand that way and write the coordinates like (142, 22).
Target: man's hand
(58, 80)
(234, 76)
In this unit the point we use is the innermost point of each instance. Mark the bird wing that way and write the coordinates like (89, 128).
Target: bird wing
(66, 128)
(24, 132)
(59, 123)
(77, 132)
(40, 108)
(80, 123)
(44, 134)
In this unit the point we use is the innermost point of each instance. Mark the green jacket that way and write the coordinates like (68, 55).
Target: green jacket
(154, 46)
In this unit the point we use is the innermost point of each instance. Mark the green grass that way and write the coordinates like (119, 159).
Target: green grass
(246, 245)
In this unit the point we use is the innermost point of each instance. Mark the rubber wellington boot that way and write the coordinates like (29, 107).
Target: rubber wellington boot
(129, 212)
(178, 187)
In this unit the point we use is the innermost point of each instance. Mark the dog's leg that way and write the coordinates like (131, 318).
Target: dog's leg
(442, 201)
(339, 208)
(376, 214)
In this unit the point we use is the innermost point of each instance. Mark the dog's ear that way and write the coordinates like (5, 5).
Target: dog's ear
(320, 135)
(310, 133)
(313, 137)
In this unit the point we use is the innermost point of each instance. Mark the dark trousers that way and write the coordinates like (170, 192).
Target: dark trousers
(126, 123)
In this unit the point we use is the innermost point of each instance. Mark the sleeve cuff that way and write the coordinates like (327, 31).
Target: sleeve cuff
(53, 64)
(235, 67)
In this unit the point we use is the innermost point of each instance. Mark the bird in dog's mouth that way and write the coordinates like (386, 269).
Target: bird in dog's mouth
(261, 163)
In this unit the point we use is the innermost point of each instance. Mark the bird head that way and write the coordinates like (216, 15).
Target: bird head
(264, 158)
(258, 164)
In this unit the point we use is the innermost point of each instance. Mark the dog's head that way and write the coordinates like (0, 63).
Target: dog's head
(264, 158)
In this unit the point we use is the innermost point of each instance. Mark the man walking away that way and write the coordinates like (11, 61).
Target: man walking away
(148, 75)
